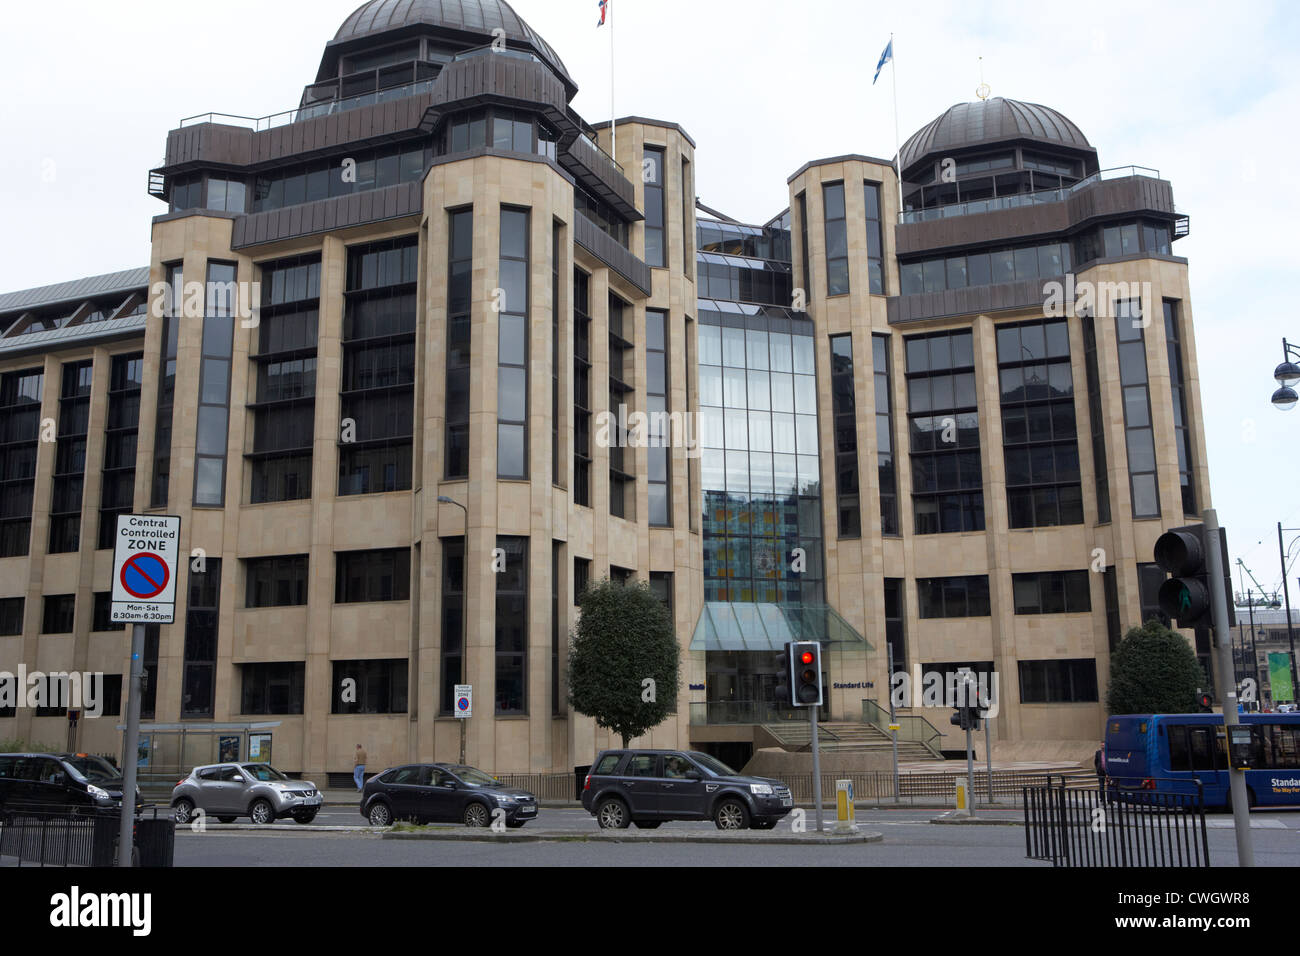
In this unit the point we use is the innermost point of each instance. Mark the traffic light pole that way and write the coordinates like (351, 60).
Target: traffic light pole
(817, 768)
(970, 772)
(1227, 689)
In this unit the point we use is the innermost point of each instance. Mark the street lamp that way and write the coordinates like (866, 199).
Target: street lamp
(464, 619)
(1286, 593)
(1286, 375)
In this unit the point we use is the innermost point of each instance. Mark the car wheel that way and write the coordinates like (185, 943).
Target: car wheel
(476, 815)
(227, 819)
(380, 815)
(647, 824)
(304, 816)
(262, 812)
(731, 815)
(183, 810)
(612, 814)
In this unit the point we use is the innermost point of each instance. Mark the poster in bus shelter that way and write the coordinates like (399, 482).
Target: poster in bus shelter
(1279, 677)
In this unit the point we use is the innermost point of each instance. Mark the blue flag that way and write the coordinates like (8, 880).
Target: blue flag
(884, 58)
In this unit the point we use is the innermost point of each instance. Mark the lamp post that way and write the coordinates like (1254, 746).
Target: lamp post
(1286, 590)
(464, 618)
(1286, 375)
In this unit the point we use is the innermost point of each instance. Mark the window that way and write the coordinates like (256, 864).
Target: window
(342, 175)
(943, 421)
(652, 168)
(845, 426)
(453, 620)
(1114, 630)
(226, 195)
(658, 406)
(581, 389)
(273, 688)
(162, 445)
(284, 414)
(621, 576)
(70, 457)
(380, 575)
(581, 578)
(558, 475)
(837, 239)
(1138, 432)
(20, 430)
(512, 130)
(103, 615)
(895, 635)
(513, 328)
(198, 689)
(802, 203)
(759, 463)
(149, 699)
(1058, 682)
(622, 355)
(378, 388)
(276, 582)
(1003, 264)
(1052, 592)
(117, 490)
(512, 628)
(460, 258)
(557, 555)
(1182, 424)
(58, 613)
(688, 216)
(11, 616)
(953, 597)
(1100, 470)
(1039, 436)
(875, 253)
(381, 687)
(886, 474)
(214, 387)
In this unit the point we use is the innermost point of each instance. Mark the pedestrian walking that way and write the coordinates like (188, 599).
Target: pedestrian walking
(359, 771)
(1099, 764)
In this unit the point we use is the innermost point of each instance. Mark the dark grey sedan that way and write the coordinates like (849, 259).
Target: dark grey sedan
(444, 792)
(228, 791)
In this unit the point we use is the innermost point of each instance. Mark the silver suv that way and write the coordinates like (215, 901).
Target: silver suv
(228, 791)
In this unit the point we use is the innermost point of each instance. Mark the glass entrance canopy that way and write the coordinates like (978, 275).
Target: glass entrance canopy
(741, 626)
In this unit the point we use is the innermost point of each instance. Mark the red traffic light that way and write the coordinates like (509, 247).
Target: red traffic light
(806, 657)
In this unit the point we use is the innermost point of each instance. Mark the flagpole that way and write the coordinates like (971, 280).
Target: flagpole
(898, 149)
(613, 125)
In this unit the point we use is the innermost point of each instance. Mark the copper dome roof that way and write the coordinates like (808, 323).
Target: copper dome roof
(991, 121)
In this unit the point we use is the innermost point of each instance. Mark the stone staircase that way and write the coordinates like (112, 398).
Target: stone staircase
(847, 737)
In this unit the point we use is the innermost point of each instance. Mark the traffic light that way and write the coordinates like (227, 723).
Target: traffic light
(1206, 702)
(1183, 553)
(1186, 595)
(784, 679)
(806, 673)
(967, 718)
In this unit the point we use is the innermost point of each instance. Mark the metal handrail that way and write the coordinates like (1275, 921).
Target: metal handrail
(1017, 200)
(912, 727)
(322, 108)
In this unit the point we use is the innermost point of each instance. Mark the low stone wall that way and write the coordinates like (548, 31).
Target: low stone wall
(774, 762)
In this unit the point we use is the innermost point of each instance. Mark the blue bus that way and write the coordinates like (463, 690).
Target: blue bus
(1168, 753)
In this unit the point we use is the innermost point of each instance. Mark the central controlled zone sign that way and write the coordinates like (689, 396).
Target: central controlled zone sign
(144, 569)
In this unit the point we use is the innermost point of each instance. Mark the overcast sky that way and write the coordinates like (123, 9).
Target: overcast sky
(1204, 93)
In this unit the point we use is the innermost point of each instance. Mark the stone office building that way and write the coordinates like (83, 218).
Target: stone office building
(449, 278)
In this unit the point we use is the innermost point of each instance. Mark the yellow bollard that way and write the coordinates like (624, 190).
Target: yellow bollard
(845, 821)
(961, 793)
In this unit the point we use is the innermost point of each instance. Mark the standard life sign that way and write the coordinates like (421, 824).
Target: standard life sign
(144, 569)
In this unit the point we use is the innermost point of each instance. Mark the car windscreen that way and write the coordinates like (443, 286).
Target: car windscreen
(263, 772)
(474, 777)
(94, 768)
(712, 765)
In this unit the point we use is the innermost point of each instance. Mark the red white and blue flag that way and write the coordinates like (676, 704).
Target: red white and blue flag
(603, 6)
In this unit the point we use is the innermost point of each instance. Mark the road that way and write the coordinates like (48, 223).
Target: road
(909, 840)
